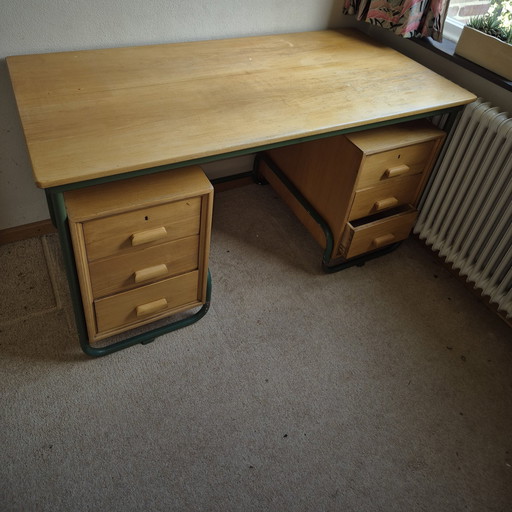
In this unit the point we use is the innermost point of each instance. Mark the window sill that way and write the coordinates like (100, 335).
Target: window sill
(446, 49)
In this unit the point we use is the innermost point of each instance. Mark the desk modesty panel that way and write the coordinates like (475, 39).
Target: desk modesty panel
(98, 113)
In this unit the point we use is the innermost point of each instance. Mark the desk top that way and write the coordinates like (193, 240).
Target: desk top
(96, 113)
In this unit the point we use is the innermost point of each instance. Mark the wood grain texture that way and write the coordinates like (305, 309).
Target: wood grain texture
(293, 203)
(150, 273)
(385, 138)
(148, 236)
(126, 271)
(123, 285)
(374, 199)
(17, 233)
(83, 271)
(394, 151)
(120, 311)
(344, 177)
(135, 193)
(375, 166)
(113, 212)
(373, 235)
(91, 114)
(325, 172)
(114, 235)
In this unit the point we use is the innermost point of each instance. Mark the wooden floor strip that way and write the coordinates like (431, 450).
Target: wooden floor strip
(17, 233)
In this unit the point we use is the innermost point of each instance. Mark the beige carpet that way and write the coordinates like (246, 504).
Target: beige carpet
(381, 388)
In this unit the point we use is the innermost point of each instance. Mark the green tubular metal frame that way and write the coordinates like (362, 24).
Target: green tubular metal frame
(58, 213)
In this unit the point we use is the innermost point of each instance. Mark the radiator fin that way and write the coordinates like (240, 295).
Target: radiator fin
(466, 209)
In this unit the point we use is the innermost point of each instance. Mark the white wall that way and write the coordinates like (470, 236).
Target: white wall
(35, 26)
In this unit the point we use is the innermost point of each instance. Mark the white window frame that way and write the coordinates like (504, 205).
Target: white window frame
(452, 29)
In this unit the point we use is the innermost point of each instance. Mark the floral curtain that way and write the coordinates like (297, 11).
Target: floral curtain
(406, 18)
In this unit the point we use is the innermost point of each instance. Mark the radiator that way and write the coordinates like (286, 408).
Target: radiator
(466, 208)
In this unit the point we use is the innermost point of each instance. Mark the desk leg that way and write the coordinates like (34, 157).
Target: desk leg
(327, 265)
(59, 218)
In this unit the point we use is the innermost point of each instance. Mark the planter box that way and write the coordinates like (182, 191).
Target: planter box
(486, 51)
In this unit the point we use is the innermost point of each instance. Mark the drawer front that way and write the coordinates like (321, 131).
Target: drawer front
(386, 195)
(391, 164)
(359, 239)
(147, 303)
(126, 271)
(119, 234)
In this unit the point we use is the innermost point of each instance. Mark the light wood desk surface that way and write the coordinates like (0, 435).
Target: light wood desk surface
(98, 113)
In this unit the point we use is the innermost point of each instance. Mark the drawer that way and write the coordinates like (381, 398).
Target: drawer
(147, 303)
(387, 165)
(371, 233)
(388, 194)
(144, 227)
(126, 271)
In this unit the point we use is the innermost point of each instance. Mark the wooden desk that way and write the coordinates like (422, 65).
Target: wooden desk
(103, 115)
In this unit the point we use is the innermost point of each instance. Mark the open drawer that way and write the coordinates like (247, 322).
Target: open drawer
(376, 231)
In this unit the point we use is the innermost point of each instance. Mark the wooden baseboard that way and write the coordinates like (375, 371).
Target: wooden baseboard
(239, 180)
(42, 227)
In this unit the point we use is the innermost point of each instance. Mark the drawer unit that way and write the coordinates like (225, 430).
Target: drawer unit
(401, 161)
(125, 271)
(158, 299)
(149, 226)
(384, 196)
(354, 177)
(374, 232)
(141, 248)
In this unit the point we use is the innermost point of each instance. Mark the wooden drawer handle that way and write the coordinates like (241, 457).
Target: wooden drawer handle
(144, 237)
(151, 307)
(382, 204)
(145, 274)
(397, 171)
(383, 240)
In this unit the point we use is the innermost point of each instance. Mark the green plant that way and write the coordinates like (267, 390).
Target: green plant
(497, 22)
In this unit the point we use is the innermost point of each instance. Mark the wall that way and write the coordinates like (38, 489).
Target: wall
(33, 26)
